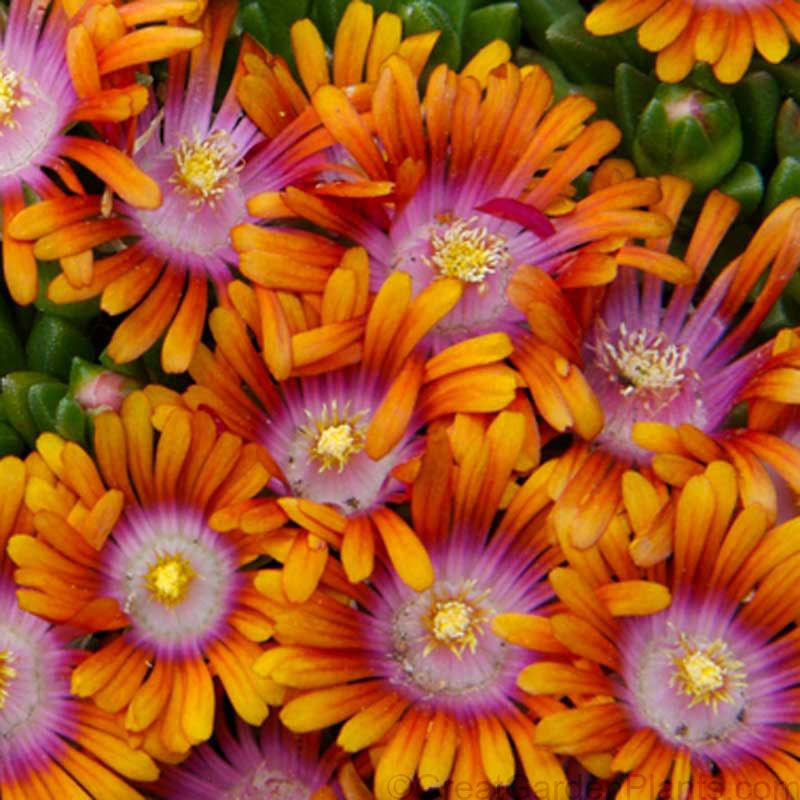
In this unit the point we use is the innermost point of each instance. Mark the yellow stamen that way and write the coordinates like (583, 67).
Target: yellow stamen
(7, 674)
(452, 624)
(169, 578)
(455, 622)
(334, 437)
(467, 252)
(647, 366)
(706, 672)
(203, 167)
(11, 96)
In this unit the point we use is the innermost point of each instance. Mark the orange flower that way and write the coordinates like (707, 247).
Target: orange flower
(57, 72)
(51, 744)
(419, 670)
(343, 423)
(470, 183)
(126, 545)
(272, 97)
(205, 163)
(688, 678)
(683, 32)
(662, 376)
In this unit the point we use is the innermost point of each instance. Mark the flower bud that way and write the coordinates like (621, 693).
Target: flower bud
(689, 133)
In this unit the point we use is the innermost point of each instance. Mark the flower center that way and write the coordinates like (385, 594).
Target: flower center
(645, 362)
(203, 167)
(462, 249)
(169, 578)
(455, 623)
(11, 96)
(706, 672)
(333, 437)
(440, 645)
(267, 782)
(7, 674)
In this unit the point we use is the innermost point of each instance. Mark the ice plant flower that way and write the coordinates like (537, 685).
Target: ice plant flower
(39, 100)
(359, 389)
(205, 164)
(719, 32)
(272, 97)
(51, 744)
(701, 694)
(124, 545)
(270, 762)
(421, 671)
(478, 175)
(664, 375)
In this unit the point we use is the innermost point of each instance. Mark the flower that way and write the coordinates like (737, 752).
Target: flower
(205, 164)
(272, 98)
(721, 33)
(700, 693)
(50, 742)
(347, 417)
(420, 671)
(661, 375)
(126, 545)
(252, 764)
(467, 184)
(53, 73)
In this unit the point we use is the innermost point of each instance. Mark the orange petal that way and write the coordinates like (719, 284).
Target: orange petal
(114, 168)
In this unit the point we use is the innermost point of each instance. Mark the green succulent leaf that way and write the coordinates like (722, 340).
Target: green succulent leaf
(632, 92)
(784, 183)
(12, 355)
(497, 21)
(746, 185)
(757, 97)
(15, 402)
(538, 15)
(43, 399)
(583, 57)
(11, 443)
(787, 130)
(53, 343)
(71, 420)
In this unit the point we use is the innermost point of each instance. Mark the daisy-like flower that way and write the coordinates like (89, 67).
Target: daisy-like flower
(347, 418)
(422, 672)
(51, 744)
(124, 544)
(249, 764)
(205, 164)
(719, 32)
(702, 694)
(478, 171)
(53, 74)
(272, 97)
(664, 374)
